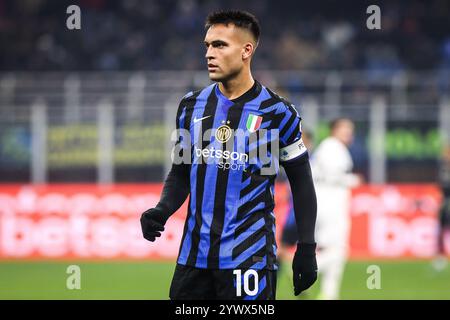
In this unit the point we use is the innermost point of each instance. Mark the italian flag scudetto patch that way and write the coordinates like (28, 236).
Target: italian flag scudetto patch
(253, 122)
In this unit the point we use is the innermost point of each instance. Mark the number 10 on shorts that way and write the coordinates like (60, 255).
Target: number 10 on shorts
(246, 277)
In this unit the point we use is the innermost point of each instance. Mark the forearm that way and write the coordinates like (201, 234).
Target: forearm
(304, 197)
(176, 189)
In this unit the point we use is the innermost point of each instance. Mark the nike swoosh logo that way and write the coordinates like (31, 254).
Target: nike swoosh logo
(200, 119)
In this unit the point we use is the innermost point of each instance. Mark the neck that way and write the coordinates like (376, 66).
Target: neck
(237, 86)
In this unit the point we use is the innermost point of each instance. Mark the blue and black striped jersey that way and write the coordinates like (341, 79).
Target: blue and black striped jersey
(234, 148)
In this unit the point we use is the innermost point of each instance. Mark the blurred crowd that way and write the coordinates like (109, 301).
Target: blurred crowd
(164, 35)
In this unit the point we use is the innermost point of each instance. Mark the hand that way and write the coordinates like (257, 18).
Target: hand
(304, 267)
(152, 223)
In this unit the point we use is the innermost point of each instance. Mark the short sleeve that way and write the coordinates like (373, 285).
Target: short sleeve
(290, 135)
(182, 138)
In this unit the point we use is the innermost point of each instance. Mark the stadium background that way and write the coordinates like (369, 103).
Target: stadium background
(86, 117)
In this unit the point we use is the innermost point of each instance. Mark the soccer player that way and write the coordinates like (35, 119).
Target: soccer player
(231, 137)
(332, 167)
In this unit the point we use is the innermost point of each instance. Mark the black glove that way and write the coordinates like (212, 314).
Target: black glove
(152, 223)
(304, 267)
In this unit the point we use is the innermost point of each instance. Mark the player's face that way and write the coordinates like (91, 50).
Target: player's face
(225, 48)
(346, 130)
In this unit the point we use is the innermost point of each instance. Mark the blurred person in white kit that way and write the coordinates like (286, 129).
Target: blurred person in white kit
(332, 167)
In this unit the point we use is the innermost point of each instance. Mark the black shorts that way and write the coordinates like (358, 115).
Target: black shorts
(191, 283)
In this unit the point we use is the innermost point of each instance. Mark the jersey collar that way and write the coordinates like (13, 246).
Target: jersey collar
(251, 94)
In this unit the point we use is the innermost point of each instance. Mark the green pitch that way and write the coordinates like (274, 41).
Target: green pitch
(151, 280)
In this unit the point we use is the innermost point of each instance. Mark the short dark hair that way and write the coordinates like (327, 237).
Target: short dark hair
(241, 19)
(337, 121)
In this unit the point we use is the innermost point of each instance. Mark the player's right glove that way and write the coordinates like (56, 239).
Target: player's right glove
(152, 223)
(304, 267)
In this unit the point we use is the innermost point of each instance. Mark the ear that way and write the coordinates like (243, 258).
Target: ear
(248, 50)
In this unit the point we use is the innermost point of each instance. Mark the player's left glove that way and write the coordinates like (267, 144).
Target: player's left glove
(304, 267)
